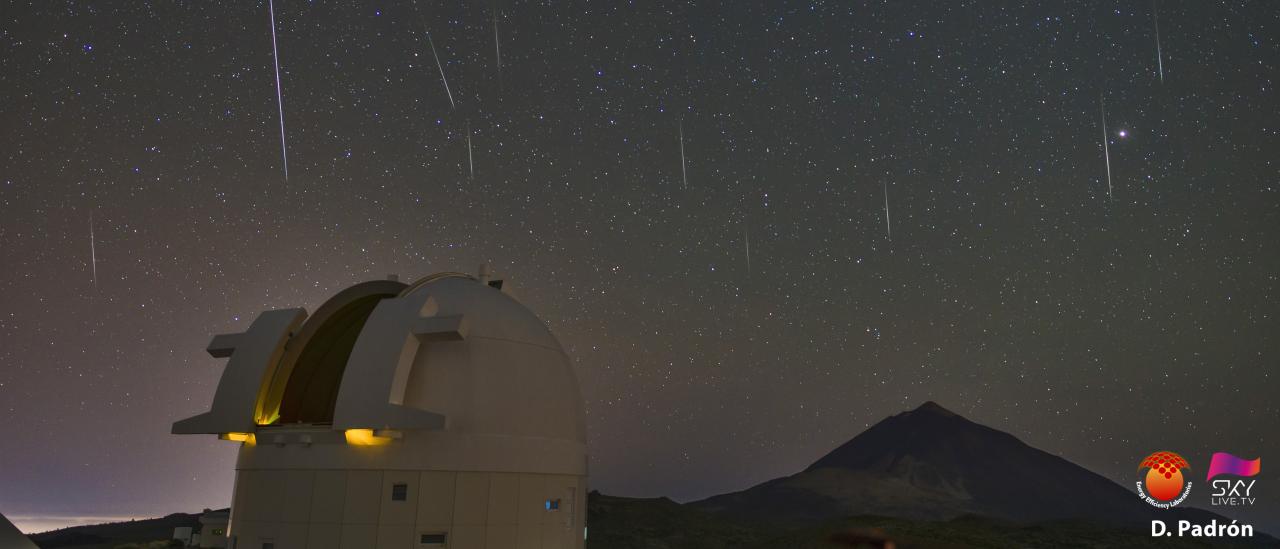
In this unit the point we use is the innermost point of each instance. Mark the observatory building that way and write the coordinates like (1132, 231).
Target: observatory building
(12, 538)
(441, 413)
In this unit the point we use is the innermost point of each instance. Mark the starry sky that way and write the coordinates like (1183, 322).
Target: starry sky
(1008, 284)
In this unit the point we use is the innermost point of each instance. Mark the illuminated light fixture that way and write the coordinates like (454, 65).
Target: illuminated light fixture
(268, 419)
(247, 438)
(365, 437)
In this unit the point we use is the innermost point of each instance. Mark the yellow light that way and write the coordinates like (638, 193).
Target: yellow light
(268, 420)
(365, 437)
(246, 438)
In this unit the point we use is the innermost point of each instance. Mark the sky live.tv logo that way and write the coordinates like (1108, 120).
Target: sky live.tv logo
(1238, 490)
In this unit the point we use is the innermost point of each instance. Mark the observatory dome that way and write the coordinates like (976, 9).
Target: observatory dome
(441, 413)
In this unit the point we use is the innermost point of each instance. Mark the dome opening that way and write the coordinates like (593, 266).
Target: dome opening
(312, 390)
(305, 385)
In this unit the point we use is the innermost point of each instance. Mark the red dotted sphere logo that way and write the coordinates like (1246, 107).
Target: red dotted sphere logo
(1164, 474)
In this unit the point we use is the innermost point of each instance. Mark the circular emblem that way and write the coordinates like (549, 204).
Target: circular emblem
(1164, 481)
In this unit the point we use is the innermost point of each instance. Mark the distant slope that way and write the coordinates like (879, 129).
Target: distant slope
(108, 536)
(932, 464)
(659, 523)
(656, 523)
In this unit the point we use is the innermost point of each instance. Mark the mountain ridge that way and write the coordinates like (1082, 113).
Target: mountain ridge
(930, 463)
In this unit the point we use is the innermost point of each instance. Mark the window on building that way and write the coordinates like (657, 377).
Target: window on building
(432, 539)
(552, 505)
(400, 492)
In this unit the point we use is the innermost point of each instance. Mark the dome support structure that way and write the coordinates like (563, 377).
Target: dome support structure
(372, 393)
(253, 358)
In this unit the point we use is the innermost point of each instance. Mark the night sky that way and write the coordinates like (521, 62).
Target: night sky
(1009, 286)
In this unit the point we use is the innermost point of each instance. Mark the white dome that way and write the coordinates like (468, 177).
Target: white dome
(441, 413)
(509, 376)
(450, 371)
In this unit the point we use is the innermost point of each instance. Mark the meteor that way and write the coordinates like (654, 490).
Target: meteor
(1155, 16)
(1106, 150)
(471, 165)
(93, 251)
(888, 233)
(441, 67)
(497, 48)
(684, 174)
(275, 55)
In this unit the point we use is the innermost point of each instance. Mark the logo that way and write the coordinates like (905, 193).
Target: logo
(1163, 485)
(1233, 492)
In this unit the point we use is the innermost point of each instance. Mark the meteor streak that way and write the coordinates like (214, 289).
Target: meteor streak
(93, 251)
(275, 55)
(684, 174)
(471, 165)
(497, 48)
(1155, 16)
(888, 233)
(441, 67)
(1106, 150)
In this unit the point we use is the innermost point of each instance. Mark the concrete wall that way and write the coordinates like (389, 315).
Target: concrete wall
(335, 509)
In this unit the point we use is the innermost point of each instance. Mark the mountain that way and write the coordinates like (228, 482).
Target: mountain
(111, 535)
(932, 464)
(659, 523)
